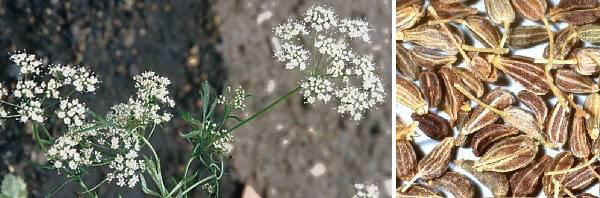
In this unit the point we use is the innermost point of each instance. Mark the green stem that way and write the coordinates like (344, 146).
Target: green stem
(196, 184)
(266, 109)
(159, 170)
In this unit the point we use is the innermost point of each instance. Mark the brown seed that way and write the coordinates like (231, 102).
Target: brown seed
(566, 5)
(569, 81)
(419, 191)
(436, 162)
(454, 10)
(470, 80)
(592, 106)
(496, 182)
(481, 117)
(524, 71)
(487, 136)
(454, 100)
(531, 9)
(410, 96)
(406, 160)
(431, 88)
(500, 11)
(586, 195)
(457, 184)
(433, 37)
(577, 17)
(535, 104)
(527, 36)
(562, 161)
(524, 121)
(588, 60)
(578, 142)
(525, 181)
(589, 33)
(581, 179)
(408, 16)
(404, 64)
(558, 125)
(565, 42)
(508, 154)
(483, 30)
(433, 126)
(429, 58)
(483, 69)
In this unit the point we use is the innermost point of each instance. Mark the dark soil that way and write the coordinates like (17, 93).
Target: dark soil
(191, 42)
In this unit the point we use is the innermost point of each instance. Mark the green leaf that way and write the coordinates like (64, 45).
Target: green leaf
(13, 186)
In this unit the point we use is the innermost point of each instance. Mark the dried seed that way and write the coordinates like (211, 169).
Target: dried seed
(433, 126)
(524, 121)
(470, 80)
(454, 100)
(431, 88)
(496, 182)
(562, 161)
(457, 184)
(527, 36)
(483, 30)
(536, 104)
(482, 117)
(487, 136)
(569, 81)
(433, 37)
(577, 17)
(452, 11)
(532, 9)
(407, 17)
(557, 125)
(525, 181)
(406, 160)
(419, 191)
(508, 154)
(592, 106)
(564, 44)
(566, 5)
(588, 60)
(404, 64)
(526, 73)
(410, 96)
(500, 11)
(429, 58)
(578, 142)
(586, 195)
(589, 33)
(435, 163)
(581, 179)
(406, 3)
(483, 69)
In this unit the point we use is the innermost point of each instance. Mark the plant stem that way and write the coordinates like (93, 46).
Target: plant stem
(159, 170)
(266, 109)
(196, 184)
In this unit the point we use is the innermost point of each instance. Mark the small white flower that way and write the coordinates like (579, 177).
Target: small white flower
(32, 110)
(366, 191)
(72, 112)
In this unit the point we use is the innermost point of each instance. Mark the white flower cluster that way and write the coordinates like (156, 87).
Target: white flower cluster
(234, 97)
(145, 106)
(366, 191)
(40, 82)
(69, 153)
(72, 112)
(334, 70)
(225, 143)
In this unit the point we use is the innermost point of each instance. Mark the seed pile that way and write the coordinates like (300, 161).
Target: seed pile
(441, 72)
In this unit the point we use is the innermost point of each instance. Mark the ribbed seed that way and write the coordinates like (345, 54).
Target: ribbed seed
(454, 10)
(496, 182)
(531, 9)
(419, 191)
(558, 125)
(430, 58)
(569, 81)
(500, 11)
(433, 37)
(487, 136)
(589, 33)
(524, 71)
(454, 100)
(483, 30)
(433, 125)
(527, 36)
(431, 88)
(525, 181)
(436, 162)
(470, 80)
(406, 160)
(564, 43)
(507, 155)
(482, 117)
(578, 142)
(524, 121)
(410, 96)
(407, 17)
(577, 17)
(536, 104)
(588, 60)
(581, 179)
(404, 64)
(455, 183)
(592, 106)
(562, 161)
(566, 5)
(483, 69)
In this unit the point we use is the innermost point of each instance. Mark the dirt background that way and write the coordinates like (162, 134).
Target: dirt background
(194, 41)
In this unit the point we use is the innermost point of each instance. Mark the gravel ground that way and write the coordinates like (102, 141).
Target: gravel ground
(190, 42)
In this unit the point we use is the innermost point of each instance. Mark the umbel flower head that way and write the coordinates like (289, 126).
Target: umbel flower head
(317, 44)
